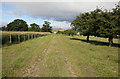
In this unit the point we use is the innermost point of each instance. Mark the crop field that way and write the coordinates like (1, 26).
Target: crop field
(23, 32)
(13, 37)
(57, 55)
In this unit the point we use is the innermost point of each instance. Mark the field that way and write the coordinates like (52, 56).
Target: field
(56, 30)
(61, 56)
(23, 32)
(13, 37)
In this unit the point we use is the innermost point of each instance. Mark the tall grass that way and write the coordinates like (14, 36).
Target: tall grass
(13, 37)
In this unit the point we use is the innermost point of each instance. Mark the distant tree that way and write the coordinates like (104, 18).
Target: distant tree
(4, 28)
(34, 27)
(69, 32)
(46, 27)
(59, 32)
(30, 29)
(17, 25)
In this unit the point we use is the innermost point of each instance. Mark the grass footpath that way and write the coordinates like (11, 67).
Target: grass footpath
(16, 58)
(60, 56)
(91, 60)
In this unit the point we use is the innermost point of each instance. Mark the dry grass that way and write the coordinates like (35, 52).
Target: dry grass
(55, 30)
(24, 32)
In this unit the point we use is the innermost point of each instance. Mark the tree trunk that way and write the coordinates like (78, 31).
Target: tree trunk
(87, 38)
(110, 41)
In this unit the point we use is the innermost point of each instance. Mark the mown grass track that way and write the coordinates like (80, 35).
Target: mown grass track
(59, 56)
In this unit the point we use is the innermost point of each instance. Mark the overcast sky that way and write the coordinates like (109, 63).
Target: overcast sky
(60, 14)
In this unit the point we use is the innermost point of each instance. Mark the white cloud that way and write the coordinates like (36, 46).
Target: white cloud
(59, 11)
(58, 24)
(13, 14)
(60, 14)
(119, 3)
(60, 0)
(3, 23)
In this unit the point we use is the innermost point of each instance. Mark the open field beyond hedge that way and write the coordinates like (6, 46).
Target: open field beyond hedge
(61, 56)
(14, 37)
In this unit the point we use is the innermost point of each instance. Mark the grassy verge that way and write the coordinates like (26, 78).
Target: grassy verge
(60, 56)
(90, 59)
(16, 58)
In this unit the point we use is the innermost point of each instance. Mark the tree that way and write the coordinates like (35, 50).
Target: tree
(46, 27)
(110, 24)
(4, 28)
(59, 32)
(75, 24)
(86, 23)
(17, 25)
(99, 23)
(34, 27)
(69, 32)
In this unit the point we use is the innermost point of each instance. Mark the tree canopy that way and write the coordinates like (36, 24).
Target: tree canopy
(4, 28)
(99, 23)
(34, 27)
(17, 25)
(46, 27)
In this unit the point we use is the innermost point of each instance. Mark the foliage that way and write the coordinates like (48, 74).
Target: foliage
(34, 27)
(21, 25)
(46, 27)
(59, 32)
(67, 32)
(98, 23)
(4, 28)
(17, 38)
(17, 25)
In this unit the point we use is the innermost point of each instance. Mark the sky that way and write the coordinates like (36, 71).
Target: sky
(59, 12)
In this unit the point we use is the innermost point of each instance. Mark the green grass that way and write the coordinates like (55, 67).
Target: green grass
(95, 60)
(19, 56)
(61, 56)
(18, 37)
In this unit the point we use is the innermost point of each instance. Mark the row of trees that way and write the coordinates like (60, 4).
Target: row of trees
(99, 23)
(21, 25)
(67, 32)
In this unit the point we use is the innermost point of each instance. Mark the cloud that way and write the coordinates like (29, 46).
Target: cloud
(119, 3)
(10, 13)
(3, 23)
(59, 0)
(59, 11)
(58, 24)
(60, 14)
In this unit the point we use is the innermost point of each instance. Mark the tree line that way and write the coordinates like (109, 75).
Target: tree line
(68, 32)
(100, 23)
(21, 25)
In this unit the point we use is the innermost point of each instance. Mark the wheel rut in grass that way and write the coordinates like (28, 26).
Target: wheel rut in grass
(39, 68)
(30, 72)
(68, 63)
(81, 70)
